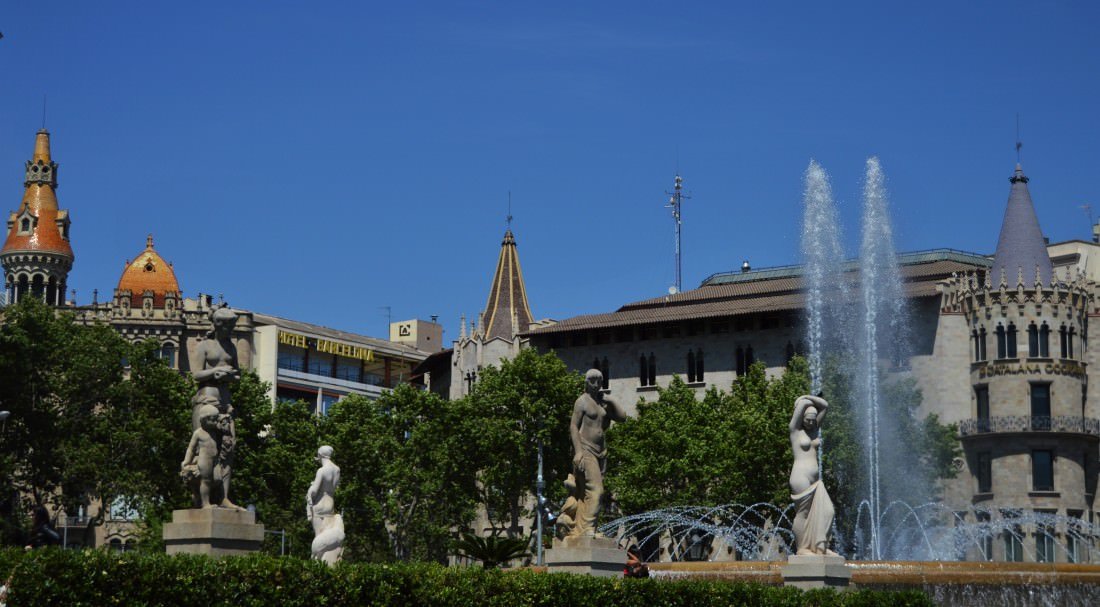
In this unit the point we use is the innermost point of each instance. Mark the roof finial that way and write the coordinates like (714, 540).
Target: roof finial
(1019, 144)
(508, 219)
(43, 111)
(149, 241)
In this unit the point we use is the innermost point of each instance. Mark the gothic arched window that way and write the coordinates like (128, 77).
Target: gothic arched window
(1032, 341)
(1012, 340)
(1002, 344)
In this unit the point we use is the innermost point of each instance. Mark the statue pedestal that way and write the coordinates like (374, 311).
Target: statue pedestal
(816, 571)
(599, 556)
(213, 531)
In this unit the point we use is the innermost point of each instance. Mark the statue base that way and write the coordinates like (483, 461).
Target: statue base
(213, 532)
(816, 571)
(599, 556)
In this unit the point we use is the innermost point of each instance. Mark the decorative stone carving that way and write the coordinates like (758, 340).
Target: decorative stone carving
(208, 465)
(813, 520)
(592, 415)
(328, 526)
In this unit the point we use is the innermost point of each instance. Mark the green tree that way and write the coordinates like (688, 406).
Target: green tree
(94, 418)
(407, 476)
(276, 446)
(512, 408)
(724, 448)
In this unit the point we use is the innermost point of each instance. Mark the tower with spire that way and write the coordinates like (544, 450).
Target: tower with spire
(1030, 437)
(496, 336)
(37, 255)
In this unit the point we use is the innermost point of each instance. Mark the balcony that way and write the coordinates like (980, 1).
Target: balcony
(1066, 424)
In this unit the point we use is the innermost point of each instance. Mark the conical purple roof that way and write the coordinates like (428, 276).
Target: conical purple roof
(1021, 244)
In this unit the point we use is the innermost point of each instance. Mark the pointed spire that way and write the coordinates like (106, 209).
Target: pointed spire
(507, 309)
(1021, 243)
(42, 147)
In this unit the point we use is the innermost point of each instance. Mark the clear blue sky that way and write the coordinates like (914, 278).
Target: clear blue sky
(318, 161)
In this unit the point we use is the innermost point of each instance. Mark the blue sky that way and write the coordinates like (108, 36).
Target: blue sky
(322, 161)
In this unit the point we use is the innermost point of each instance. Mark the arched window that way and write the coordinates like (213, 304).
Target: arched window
(25, 226)
(23, 288)
(1002, 344)
(1072, 337)
(1044, 341)
(1032, 341)
(1012, 340)
(691, 367)
(168, 354)
(1063, 340)
(643, 371)
(652, 369)
(982, 351)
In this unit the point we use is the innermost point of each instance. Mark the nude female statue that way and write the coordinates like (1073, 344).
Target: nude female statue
(813, 520)
(216, 372)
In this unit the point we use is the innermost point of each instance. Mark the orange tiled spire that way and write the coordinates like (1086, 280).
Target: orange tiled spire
(38, 225)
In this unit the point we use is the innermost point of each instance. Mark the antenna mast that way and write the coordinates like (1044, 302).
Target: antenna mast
(675, 202)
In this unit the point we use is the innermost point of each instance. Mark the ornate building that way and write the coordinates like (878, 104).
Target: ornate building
(37, 256)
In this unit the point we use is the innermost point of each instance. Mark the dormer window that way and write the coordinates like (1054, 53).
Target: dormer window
(25, 225)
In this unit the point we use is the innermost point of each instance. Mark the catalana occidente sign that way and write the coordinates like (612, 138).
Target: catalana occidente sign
(1065, 367)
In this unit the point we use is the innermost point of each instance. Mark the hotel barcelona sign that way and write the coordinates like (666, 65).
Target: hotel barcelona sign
(1071, 368)
(329, 347)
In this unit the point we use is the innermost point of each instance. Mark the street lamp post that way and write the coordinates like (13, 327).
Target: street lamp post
(540, 502)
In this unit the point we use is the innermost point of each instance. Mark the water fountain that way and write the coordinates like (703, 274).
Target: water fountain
(925, 538)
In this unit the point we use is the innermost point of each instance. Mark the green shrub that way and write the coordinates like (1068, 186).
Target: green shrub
(97, 578)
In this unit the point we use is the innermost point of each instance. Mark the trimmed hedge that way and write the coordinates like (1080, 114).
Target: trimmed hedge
(87, 578)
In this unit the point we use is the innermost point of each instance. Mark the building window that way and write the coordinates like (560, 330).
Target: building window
(25, 226)
(1040, 407)
(743, 323)
(605, 370)
(743, 359)
(670, 330)
(319, 365)
(349, 369)
(1063, 340)
(1042, 470)
(694, 327)
(749, 358)
(624, 334)
(292, 358)
(1044, 543)
(643, 371)
(1002, 344)
(985, 541)
(1014, 546)
(695, 366)
(1032, 341)
(982, 351)
(985, 473)
(168, 354)
(981, 394)
(719, 327)
(1012, 340)
(1069, 342)
(652, 369)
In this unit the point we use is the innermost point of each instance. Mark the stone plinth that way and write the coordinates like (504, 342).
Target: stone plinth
(600, 556)
(213, 531)
(816, 571)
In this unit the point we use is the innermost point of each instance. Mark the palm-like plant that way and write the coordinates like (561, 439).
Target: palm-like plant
(492, 551)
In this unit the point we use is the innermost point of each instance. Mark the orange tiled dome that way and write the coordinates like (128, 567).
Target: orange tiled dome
(149, 272)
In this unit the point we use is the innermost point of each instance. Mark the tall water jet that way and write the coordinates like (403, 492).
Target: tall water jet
(822, 257)
(884, 329)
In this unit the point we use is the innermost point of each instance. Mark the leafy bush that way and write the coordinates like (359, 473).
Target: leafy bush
(72, 578)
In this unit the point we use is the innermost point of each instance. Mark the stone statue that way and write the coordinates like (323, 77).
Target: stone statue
(328, 526)
(813, 519)
(209, 461)
(592, 415)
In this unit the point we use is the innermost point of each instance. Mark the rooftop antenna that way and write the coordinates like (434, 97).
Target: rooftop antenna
(389, 317)
(508, 219)
(1019, 144)
(675, 202)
